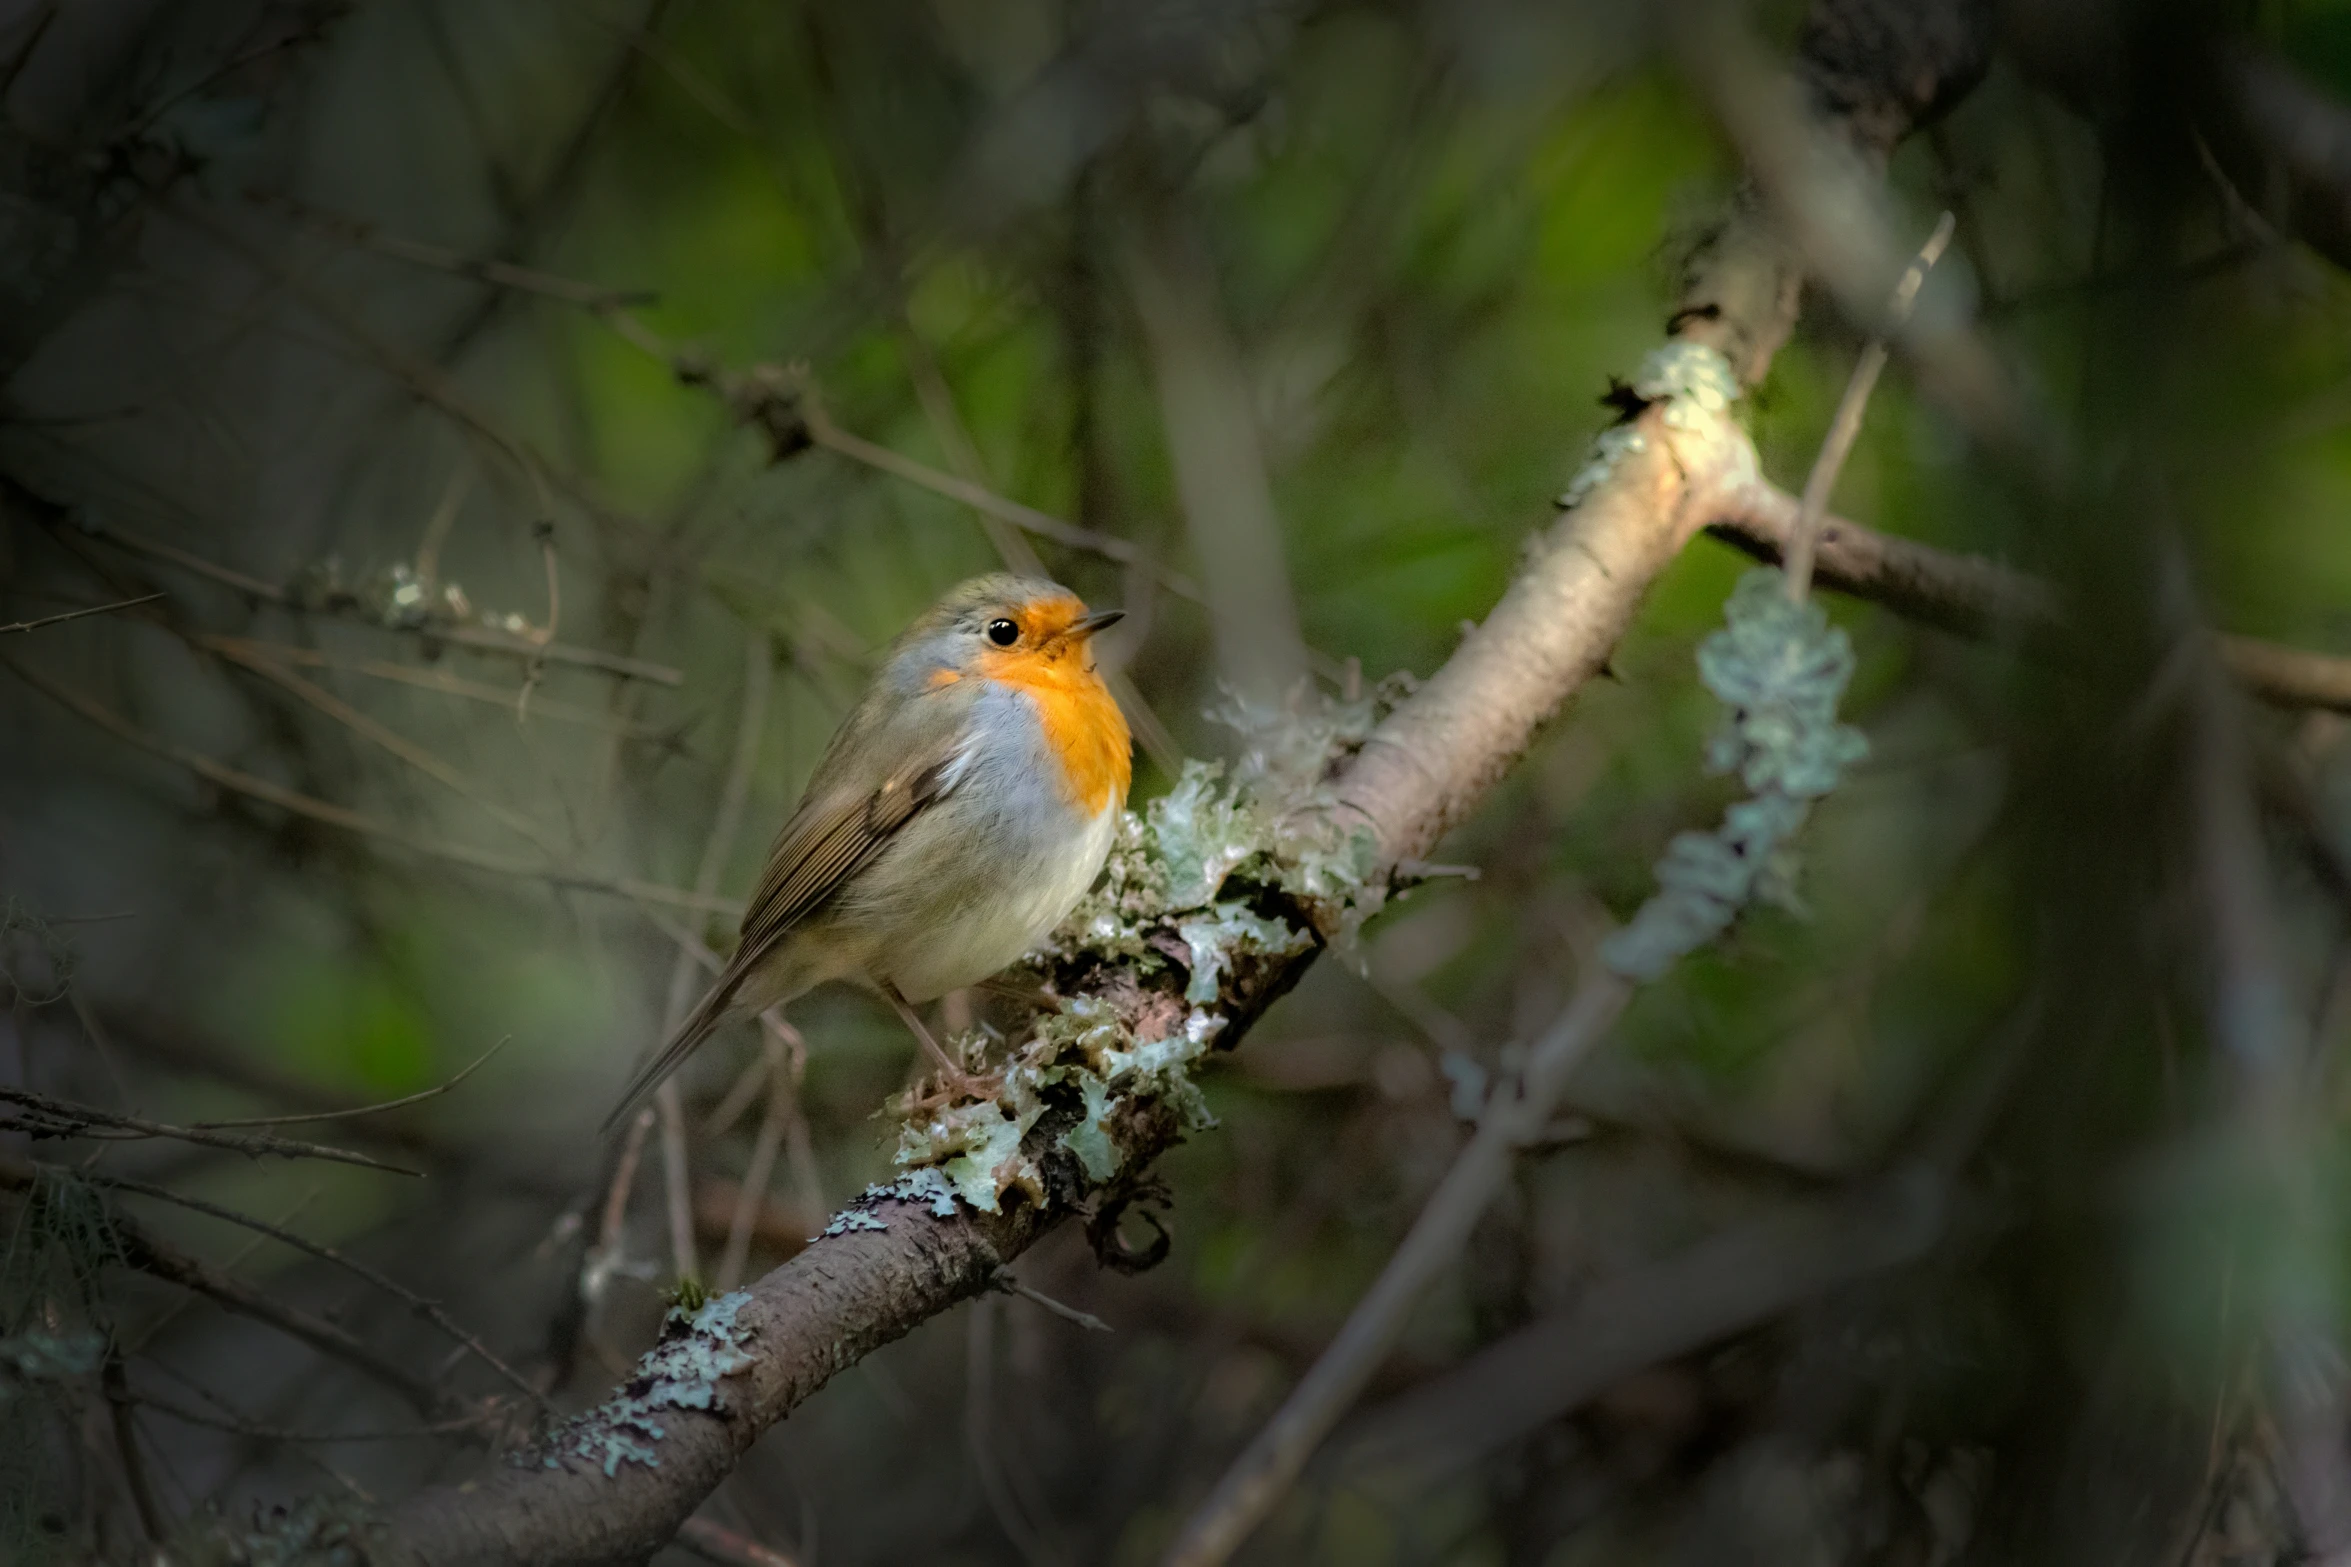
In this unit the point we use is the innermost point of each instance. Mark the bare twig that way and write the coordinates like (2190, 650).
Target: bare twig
(126, 1447)
(43, 1116)
(1011, 1284)
(266, 1433)
(478, 269)
(1978, 597)
(419, 1097)
(782, 402)
(1744, 1275)
(430, 1311)
(56, 514)
(981, 1444)
(148, 1254)
(1845, 428)
(753, 1193)
(381, 736)
(303, 805)
(606, 1252)
(938, 401)
(77, 614)
(442, 681)
(799, 1146)
(750, 724)
(715, 1543)
(1514, 1116)
(2256, 1022)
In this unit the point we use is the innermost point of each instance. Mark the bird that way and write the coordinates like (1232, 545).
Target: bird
(955, 818)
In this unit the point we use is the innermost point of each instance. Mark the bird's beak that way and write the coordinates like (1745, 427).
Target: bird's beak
(1101, 620)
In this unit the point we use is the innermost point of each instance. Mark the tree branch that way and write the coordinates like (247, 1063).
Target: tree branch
(1978, 597)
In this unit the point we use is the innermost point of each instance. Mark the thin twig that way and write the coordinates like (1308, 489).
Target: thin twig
(978, 497)
(799, 1146)
(126, 1447)
(447, 684)
(734, 793)
(737, 1099)
(984, 1448)
(714, 1543)
(751, 392)
(262, 1433)
(418, 1097)
(380, 736)
(477, 269)
(481, 639)
(1515, 1115)
(430, 1311)
(1979, 597)
(603, 1258)
(938, 402)
(63, 1118)
(1010, 1283)
(143, 1251)
(314, 809)
(751, 1196)
(1845, 428)
(77, 614)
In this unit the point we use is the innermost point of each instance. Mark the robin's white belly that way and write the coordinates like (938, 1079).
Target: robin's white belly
(1020, 883)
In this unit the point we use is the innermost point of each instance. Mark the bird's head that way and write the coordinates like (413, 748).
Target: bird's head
(1003, 627)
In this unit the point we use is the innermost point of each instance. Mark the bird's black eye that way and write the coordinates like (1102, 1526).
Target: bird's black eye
(1003, 633)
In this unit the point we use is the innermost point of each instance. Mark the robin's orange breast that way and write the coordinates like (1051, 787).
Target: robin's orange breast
(1083, 727)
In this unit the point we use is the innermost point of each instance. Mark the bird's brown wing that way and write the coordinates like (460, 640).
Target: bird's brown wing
(824, 844)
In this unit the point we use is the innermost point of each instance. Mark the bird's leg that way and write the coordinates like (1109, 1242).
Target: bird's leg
(957, 1078)
(1015, 986)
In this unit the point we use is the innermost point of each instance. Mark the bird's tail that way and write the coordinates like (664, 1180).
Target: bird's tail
(697, 1026)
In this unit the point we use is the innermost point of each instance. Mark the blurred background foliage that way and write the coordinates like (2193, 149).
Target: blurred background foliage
(1434, 233)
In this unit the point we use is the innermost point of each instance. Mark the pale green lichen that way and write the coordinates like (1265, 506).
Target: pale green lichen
(1781, 669)
(990, 1163)
(1610, 447)
(1695, 384)
(1089, 1140)
(1223, 929)
(1693, 381)
(1190, 882)
(685, 1370)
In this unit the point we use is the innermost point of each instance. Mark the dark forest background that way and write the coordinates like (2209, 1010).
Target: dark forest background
(415, 367)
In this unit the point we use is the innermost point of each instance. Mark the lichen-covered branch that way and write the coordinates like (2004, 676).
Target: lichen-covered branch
(1214, 905)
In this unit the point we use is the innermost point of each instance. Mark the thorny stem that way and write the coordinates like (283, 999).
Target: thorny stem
(1845, 428)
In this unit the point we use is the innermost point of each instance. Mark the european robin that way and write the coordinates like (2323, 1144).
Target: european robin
(957, 815)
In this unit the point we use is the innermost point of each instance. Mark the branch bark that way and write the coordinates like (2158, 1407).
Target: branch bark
(1421, 772)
